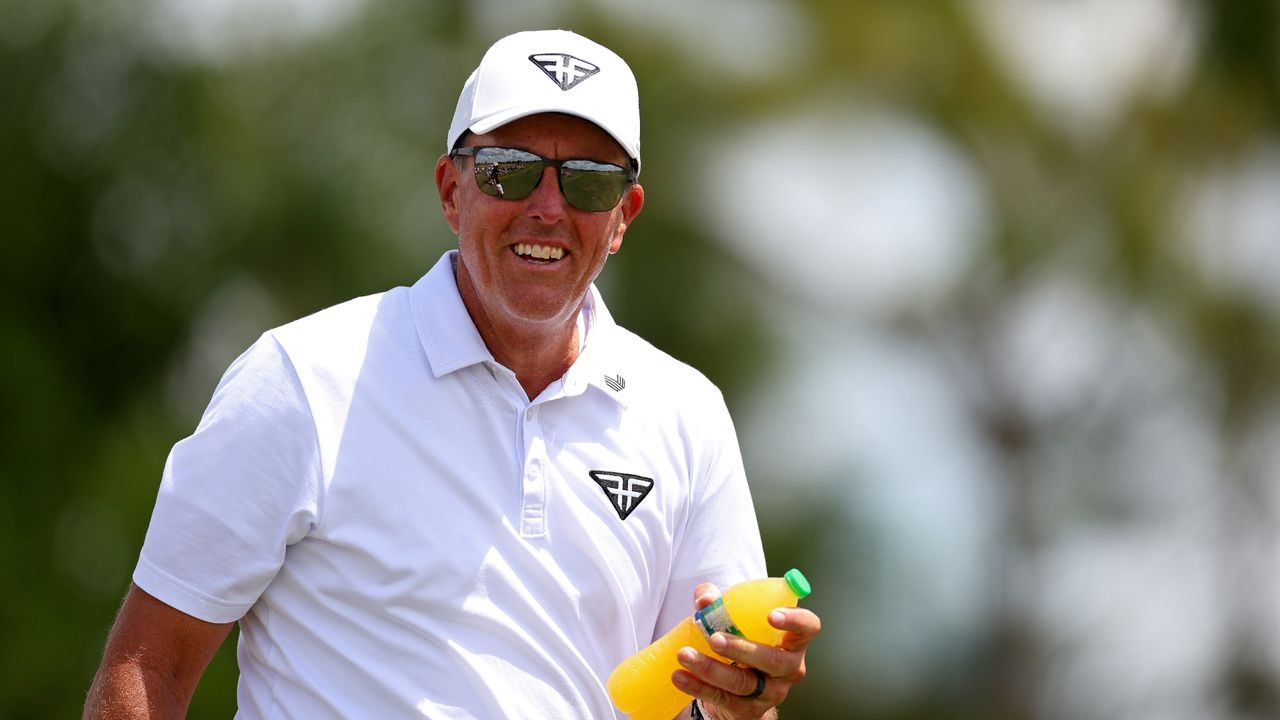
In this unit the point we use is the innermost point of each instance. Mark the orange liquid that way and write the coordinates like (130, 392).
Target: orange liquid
(641, 686)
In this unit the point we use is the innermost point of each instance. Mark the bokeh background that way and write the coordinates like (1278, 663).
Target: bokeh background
(992, 288)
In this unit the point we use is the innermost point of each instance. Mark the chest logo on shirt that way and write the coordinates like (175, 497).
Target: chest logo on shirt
(624, 490)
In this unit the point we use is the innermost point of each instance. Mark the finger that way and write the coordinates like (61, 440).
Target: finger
(801, 627)
(773, 661)
(704, 595)
(720, 684)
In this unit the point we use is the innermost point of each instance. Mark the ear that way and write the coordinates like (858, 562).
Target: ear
(447, 175)
(630, 207)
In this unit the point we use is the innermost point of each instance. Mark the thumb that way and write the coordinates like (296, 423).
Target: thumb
(704, 595)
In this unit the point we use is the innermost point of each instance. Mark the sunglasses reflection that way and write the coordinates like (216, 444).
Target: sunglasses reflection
(512, 174)
(491, 174)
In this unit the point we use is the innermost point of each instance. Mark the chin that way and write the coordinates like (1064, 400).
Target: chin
(541, 312)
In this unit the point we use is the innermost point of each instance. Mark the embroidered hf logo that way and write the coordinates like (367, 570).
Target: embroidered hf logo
(564, 70)
(624, 490)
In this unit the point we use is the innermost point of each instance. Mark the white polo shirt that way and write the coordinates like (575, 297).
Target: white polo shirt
(401, 533)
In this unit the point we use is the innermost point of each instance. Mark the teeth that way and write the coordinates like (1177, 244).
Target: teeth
(541, 252)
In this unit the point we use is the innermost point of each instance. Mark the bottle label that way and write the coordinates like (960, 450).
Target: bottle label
(715, 618)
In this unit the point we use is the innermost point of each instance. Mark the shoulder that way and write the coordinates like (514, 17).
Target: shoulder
(338, 337)
(336, 324)
(322, 351)
(661, 380)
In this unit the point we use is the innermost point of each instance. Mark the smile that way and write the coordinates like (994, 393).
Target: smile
(538, 252)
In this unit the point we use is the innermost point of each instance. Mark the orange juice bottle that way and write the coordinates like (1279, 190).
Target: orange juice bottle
(641, 686)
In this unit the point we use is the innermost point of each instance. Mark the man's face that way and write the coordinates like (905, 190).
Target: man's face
(502, 287)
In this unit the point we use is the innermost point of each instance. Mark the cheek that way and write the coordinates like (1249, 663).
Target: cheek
(611, 234)
(466, 212)
(479, 216)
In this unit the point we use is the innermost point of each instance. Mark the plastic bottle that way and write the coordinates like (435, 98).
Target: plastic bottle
(641, 686)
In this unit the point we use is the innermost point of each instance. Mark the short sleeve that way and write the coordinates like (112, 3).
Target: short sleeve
(721, 541)
(236, 493)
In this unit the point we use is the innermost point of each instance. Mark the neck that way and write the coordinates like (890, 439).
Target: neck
(539, 352)
(538, 356)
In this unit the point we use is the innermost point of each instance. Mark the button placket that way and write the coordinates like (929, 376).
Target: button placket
(533, 506)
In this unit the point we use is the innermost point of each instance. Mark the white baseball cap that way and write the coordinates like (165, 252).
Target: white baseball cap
(554, 71)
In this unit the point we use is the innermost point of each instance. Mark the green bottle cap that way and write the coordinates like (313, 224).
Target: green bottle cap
(797, 583)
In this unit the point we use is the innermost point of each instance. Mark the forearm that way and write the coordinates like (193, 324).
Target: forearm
(128, 690)
(153, 661)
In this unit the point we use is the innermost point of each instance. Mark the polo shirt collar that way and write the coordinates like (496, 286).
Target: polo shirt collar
(603, 363)
(451, 341)
(444, 326)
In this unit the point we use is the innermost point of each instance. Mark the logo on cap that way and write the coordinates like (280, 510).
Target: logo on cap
(564, 70)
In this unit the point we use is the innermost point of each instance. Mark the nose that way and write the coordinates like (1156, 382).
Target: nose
(546, 203)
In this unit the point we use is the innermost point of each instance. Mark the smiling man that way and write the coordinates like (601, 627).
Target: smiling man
(525, 266)
(472, 497)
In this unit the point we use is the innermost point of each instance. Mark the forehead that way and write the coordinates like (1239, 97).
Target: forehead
(556, 135)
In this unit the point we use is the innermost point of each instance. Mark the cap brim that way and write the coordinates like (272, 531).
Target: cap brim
(498, 119)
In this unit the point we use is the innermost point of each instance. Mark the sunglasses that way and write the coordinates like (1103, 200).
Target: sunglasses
(513, 174)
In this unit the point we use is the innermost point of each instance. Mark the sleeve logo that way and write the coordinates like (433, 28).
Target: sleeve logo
(624, 490)
(564, 70)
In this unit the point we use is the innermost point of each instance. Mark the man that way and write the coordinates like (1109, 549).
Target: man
(474, 497)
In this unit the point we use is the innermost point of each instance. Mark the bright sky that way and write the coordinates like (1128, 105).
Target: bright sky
(1083, 61)
(858, 209)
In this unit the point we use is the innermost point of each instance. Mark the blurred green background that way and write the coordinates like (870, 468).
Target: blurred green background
(992, 288)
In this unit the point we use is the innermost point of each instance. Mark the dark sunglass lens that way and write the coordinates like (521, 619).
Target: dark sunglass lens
(592, 186)
(507, 173)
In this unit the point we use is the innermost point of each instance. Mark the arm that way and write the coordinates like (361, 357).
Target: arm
(154, 658)
(721, 687)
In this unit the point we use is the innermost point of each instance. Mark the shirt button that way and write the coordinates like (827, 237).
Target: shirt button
(528, 414)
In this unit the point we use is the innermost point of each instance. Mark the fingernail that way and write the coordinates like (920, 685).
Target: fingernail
(777, 617)
(718, 642)
(687, 656)
(681, 680)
